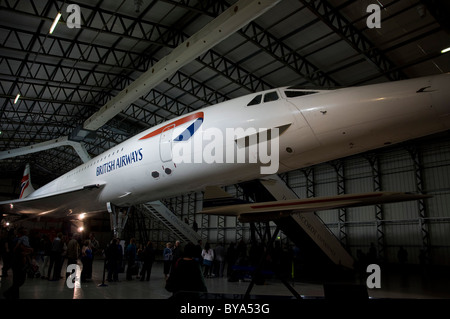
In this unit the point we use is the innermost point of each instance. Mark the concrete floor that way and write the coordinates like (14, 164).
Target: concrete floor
(409, 295)
(394, 285)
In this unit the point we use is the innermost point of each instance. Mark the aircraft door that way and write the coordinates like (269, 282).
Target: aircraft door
(165, 143)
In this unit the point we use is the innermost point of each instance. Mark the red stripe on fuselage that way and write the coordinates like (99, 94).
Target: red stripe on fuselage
(174, 124)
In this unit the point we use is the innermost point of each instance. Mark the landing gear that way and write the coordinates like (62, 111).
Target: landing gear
(118, 218)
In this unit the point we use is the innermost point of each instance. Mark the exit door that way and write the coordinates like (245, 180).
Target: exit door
(165, 143)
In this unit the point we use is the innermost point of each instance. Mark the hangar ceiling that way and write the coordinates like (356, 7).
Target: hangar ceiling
(65, 77)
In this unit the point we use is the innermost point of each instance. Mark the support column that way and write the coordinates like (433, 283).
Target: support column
(423, 214)
(239, 229)
(339, 169)
(309, 175)
(379, 212)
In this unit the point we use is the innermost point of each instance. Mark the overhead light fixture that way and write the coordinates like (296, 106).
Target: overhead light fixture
(55, 22)
(17, 98)
(446, 50)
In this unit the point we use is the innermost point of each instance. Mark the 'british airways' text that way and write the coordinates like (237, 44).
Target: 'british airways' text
(119, 162)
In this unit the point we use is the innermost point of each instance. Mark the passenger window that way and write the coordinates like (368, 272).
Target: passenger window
(256, 100)
(271, 96)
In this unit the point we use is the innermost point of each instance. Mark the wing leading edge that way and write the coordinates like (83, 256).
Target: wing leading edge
(264, 211)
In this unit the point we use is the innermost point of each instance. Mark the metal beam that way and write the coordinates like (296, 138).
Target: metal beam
(213, 33)
(63, 141)
(353, 37)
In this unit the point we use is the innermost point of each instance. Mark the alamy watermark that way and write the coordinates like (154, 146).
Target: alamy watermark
(74, 18)
(74, 279)
(235, 145)
(374, 279)
(374, 19)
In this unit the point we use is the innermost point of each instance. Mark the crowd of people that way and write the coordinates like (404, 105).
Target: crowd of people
(185, 267)
(136, 259)
(44, 256)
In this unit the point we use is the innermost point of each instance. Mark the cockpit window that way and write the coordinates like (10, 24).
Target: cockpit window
(291, 94)
(271, 96)
(256, 100)
(268, 97)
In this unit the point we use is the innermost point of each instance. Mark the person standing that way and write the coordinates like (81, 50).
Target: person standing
(148, 259)
(113, 256)
(231, 257)
(55, 258)
(95, 246)
(198, 251)
(208, 258)
(167, 257)
(65, 241)
(47, 253)
(20, 258)
(186, 280)
(177, 252)
(86, 260)
(73, 251)
(219, 253)
(130, 253)
(7, 245)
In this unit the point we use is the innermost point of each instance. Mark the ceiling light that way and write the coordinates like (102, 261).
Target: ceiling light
(55, 22)
(445, 50)
(17, 98)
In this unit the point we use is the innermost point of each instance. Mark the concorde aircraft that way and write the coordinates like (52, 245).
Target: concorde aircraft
(242, 139)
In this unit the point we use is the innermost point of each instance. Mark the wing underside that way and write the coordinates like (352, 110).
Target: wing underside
(277, 209)
(82, 199)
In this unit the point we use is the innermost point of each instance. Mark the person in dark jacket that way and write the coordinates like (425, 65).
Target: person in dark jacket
(21, 257)
(113, 255)
(56, 258)
(130, 253)
(186, 280)
(148, 258)
(86, 260)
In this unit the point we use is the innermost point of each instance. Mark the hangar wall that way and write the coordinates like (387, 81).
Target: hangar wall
(419, 166)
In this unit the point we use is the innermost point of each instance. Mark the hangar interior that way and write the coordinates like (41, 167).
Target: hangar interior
(65, 77)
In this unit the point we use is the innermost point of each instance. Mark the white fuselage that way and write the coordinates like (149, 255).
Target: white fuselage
(314, 126)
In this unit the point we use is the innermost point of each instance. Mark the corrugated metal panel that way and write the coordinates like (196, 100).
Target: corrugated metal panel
(403, 181)
(441, 232)
(361, 235)
(329, 216)
(437, 178)
(401, 211)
